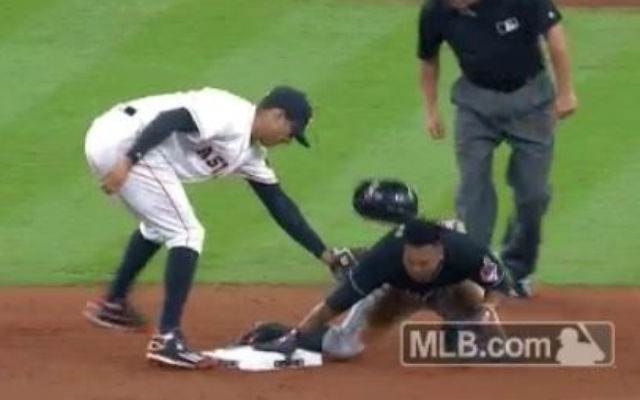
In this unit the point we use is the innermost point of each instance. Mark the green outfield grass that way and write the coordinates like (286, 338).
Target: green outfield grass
(65, 61)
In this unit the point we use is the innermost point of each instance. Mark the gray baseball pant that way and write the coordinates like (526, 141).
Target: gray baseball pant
(525, 121)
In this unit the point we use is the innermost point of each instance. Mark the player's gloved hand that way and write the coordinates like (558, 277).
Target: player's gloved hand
(344, 259)
(285, 344)
(263, 332)
(113, 180)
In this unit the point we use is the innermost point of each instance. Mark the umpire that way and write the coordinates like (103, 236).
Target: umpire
(504, 94)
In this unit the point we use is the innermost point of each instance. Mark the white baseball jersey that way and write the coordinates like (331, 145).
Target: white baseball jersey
(153, 190)
(222, 146)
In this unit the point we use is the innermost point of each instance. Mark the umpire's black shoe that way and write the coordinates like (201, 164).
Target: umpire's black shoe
(115, 315)
(522, 288)
(171, 350)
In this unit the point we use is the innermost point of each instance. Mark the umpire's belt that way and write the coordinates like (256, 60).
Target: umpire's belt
(504, 85)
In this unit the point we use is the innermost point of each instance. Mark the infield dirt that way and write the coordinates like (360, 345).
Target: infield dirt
(48, 351)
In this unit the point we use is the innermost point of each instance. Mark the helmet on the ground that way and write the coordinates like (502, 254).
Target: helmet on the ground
(385, 200)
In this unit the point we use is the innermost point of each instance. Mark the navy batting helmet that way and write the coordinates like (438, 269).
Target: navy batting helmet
(385, 200)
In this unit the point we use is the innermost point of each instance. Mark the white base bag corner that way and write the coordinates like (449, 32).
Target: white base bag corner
(246, 358)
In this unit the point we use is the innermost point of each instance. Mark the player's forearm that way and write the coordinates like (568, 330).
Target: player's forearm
(429, 74)
(317, 318)
(559, 57)
(287, 215)
(494, 298)
(158, 130)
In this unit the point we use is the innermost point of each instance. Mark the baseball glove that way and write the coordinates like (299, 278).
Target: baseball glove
(262, 332)
(285, 344)
(345, 259)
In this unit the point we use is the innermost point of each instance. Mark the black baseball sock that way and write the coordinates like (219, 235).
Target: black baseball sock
(179, 272)
(139, 251)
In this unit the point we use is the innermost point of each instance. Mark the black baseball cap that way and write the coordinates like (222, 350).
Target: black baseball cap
(296, 108)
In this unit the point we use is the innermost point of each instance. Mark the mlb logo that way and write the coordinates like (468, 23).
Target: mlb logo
(507, 26)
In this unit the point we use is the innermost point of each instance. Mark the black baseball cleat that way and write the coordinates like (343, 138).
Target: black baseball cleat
(522, 288)
(115, 315)
(170, 350)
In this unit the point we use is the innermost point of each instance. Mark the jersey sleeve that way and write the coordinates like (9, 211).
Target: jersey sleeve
(375, 269)
(491, 274)
(288, 216)
(430, 35)
(542, 15)
(256, 168)
(212, 111)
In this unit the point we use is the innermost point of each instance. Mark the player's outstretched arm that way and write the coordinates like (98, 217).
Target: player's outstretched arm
(493, 298)
(356, 286)
(494, 278)
(314, 323)
(319, 317)
(288, 216)
(312, 328)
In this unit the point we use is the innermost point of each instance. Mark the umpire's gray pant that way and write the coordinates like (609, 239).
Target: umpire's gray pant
(524, 119)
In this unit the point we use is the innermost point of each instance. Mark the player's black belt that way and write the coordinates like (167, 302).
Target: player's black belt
(130, 111)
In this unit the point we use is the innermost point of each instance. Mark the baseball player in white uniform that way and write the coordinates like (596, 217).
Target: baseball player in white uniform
(143, 150)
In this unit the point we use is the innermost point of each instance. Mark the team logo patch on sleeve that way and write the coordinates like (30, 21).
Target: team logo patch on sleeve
(489, 270)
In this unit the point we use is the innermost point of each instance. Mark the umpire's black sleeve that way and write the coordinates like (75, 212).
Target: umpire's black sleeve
(288, 216)
(542, 15)
(430, 35)
(158, 130)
